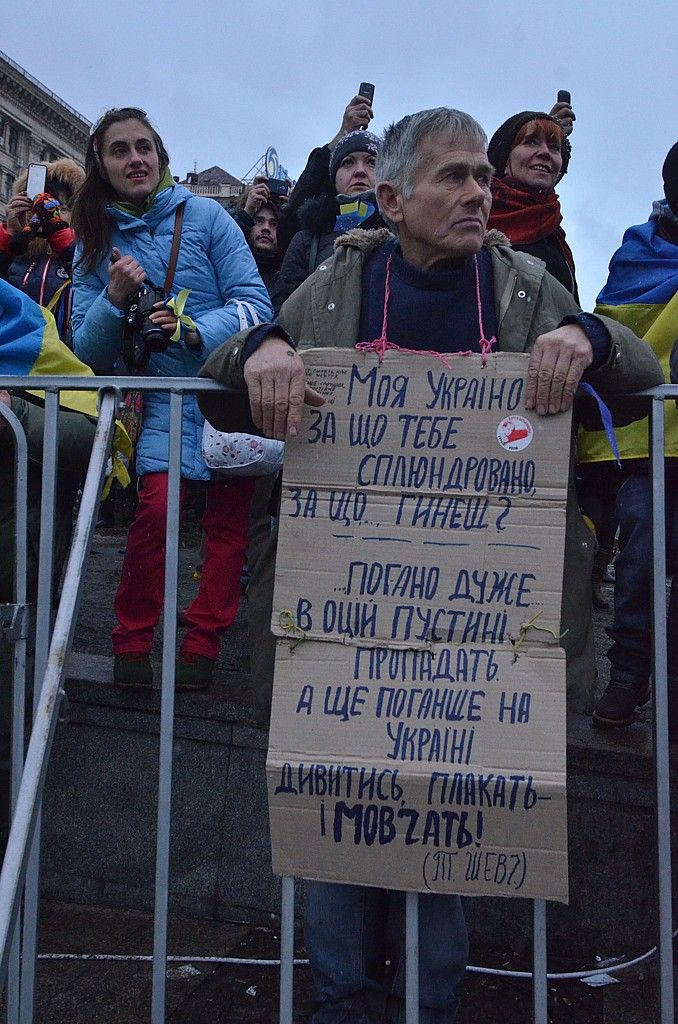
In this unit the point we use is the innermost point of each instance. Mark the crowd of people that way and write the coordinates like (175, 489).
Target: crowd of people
(423, 237)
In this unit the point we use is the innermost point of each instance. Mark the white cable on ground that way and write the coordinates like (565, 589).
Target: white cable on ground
(241, 962)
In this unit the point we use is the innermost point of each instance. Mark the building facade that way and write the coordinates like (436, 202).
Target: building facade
(36, 126)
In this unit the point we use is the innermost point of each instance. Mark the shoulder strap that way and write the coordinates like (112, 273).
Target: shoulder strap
(313, 253)
(54, 301)
(243, 309)
(176, 243)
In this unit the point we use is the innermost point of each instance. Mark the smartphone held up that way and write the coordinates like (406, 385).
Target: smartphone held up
(37, 179)
(366, 89)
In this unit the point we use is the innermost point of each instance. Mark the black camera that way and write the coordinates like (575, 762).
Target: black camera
(143, 336)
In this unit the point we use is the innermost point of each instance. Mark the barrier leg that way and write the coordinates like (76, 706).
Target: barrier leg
(18, 683)
(43, 626)
(412, 958)
(661, 717)
(539, 964)
(169, 645)
(287, 951)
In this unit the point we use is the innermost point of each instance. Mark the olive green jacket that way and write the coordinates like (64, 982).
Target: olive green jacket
(325, 312)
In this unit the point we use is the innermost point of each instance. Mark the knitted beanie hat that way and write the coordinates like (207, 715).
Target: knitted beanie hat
(359, 141)
(670, 176)
(503, 140)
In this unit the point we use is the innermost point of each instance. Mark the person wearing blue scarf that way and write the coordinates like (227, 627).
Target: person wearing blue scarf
(351, 204)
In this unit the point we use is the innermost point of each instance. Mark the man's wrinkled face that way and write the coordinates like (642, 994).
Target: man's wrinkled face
(264, 234)
(446, 215)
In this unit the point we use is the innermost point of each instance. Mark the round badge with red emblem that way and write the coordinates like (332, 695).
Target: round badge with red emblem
(514, 433)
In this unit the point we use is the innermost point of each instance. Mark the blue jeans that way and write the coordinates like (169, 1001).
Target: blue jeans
(352, 930)
(631, 630)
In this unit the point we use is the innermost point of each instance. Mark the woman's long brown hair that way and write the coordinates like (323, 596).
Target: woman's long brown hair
(89, 219)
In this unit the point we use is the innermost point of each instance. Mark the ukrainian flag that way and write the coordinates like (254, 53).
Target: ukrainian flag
(641, 293)
(30, 346)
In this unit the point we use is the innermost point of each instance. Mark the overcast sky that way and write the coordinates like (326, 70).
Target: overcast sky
(222, 81)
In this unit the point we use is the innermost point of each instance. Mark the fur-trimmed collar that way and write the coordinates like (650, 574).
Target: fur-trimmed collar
(62, 170)
(368, 241)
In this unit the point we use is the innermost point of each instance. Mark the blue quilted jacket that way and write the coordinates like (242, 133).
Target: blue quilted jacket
(217, 266)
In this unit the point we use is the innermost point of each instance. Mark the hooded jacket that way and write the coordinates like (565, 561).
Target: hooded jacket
(44, 270)
(217, 266)
(325, 312)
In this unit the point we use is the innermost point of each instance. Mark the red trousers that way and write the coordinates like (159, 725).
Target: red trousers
(139, 600)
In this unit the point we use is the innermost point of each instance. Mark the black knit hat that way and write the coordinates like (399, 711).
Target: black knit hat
(503, 140)
(670, 176)
(359, 141)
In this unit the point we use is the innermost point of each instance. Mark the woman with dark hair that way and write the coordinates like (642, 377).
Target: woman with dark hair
(130, 218)
(530, 153)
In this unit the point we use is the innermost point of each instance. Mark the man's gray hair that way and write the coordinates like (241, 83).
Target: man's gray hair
(404, 144)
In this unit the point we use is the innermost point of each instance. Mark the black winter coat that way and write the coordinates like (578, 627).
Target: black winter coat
(312, 245)
(546, 249)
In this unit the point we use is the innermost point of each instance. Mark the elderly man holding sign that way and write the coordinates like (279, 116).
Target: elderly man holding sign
(439, 283)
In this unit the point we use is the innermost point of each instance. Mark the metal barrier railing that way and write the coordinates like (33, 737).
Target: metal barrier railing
(15, 628)
(661, 702)
(22, 856)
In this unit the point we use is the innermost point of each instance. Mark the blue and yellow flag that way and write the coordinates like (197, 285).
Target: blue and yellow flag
(30, 346)
(641, 293)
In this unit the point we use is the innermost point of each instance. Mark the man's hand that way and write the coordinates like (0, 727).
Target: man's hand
(258, 194)
(6, 399)
(276, 381)
(358, 114)
(556, 365)
(564, 113)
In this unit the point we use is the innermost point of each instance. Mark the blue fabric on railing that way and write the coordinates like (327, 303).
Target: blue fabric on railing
(606, 417)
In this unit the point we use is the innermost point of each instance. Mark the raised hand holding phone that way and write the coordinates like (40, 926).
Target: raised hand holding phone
(562, 110)
(37, 179)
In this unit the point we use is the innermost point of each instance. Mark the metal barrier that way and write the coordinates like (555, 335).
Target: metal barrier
(22, 862)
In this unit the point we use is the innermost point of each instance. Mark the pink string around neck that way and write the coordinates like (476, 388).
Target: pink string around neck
(381, 345)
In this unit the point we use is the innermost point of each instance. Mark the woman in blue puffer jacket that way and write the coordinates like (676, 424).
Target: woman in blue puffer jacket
(124, 218)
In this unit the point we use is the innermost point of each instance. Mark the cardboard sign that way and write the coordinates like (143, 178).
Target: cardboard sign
(418, 724)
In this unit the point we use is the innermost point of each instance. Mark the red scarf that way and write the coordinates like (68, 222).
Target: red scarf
(526, 215)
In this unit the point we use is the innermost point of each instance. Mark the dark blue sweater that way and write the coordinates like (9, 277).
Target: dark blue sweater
(427, 309)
